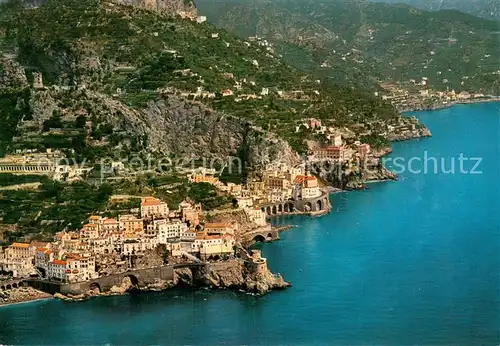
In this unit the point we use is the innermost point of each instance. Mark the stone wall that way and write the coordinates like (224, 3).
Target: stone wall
(139, 277)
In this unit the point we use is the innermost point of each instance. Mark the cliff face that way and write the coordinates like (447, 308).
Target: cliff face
(171, 125)
(12, 74)
(236, 274)
(170, 6)
(346, 179)
(419, 132)
(239, 216)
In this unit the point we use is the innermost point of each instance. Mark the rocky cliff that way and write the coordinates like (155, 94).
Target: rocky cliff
(169, 125)
(236, 274)
(12, 74)
(412, 133)
(170, 6)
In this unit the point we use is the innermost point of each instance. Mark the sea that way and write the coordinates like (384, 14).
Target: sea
(415, 261)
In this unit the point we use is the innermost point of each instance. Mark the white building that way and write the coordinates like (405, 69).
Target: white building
(139, 246)
(80, 267)
(257, 216)
(57, 270)
(213, 245)
(171, 230)
(337, 141)
(153, 208)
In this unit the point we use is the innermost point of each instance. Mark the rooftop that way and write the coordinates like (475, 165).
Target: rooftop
(20, 245)
(150, 201)
(217, 225)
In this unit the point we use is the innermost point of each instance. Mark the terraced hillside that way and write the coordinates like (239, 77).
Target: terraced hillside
(363, 43)
(120, 78)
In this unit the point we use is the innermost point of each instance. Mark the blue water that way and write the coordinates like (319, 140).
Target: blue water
(409, 262)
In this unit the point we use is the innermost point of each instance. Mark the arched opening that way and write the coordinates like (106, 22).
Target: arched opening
(106, 251)
(307, 206)
(8, 287)
(263, 210)
(319, 204)
(134, 281)
(15, 285)
(259, 239)
(275, 210)
(2, 288)
(280, 208)
(216, 258)
(268, 210)
(269, 236)
(95, 287)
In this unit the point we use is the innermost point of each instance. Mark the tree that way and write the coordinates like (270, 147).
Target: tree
(80, 122)
(166, 254)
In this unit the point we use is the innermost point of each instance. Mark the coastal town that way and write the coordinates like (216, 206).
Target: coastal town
(154, 235)
(157, 235)
(415, 95)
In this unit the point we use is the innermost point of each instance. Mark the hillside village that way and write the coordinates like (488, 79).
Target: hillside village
(106, 245)
(170, 85)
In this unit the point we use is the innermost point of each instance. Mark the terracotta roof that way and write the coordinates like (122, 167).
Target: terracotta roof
(20, 245)
(150, 201)
(334, 148)
(94, 217)
(207, 237)
(302, 178)
(59, 262)
(89, 225)
(217, 225)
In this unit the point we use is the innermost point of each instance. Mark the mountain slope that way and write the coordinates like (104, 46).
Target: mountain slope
(371, 41)
(488, 9)
(121, 79)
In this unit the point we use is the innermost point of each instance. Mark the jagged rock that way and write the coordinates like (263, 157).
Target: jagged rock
(410, 134)
(183, 277)
(236, 274)
(61, 297)
(12, 74)
(123, 288)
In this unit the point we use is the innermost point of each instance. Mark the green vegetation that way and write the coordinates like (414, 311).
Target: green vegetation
(104, 64)
(489, 9)
(7, 179)
(13, 107)
(207, 195)
(361, 43)
(152, 52)
(52, 207)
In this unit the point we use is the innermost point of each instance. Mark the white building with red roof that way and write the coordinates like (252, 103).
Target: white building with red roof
(153, 208)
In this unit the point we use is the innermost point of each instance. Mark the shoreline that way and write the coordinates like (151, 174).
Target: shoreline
(4, 305)
(448, 105)
(329, 190)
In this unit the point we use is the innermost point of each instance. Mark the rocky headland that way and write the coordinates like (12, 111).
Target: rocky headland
(21, 295)
(236, 274)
